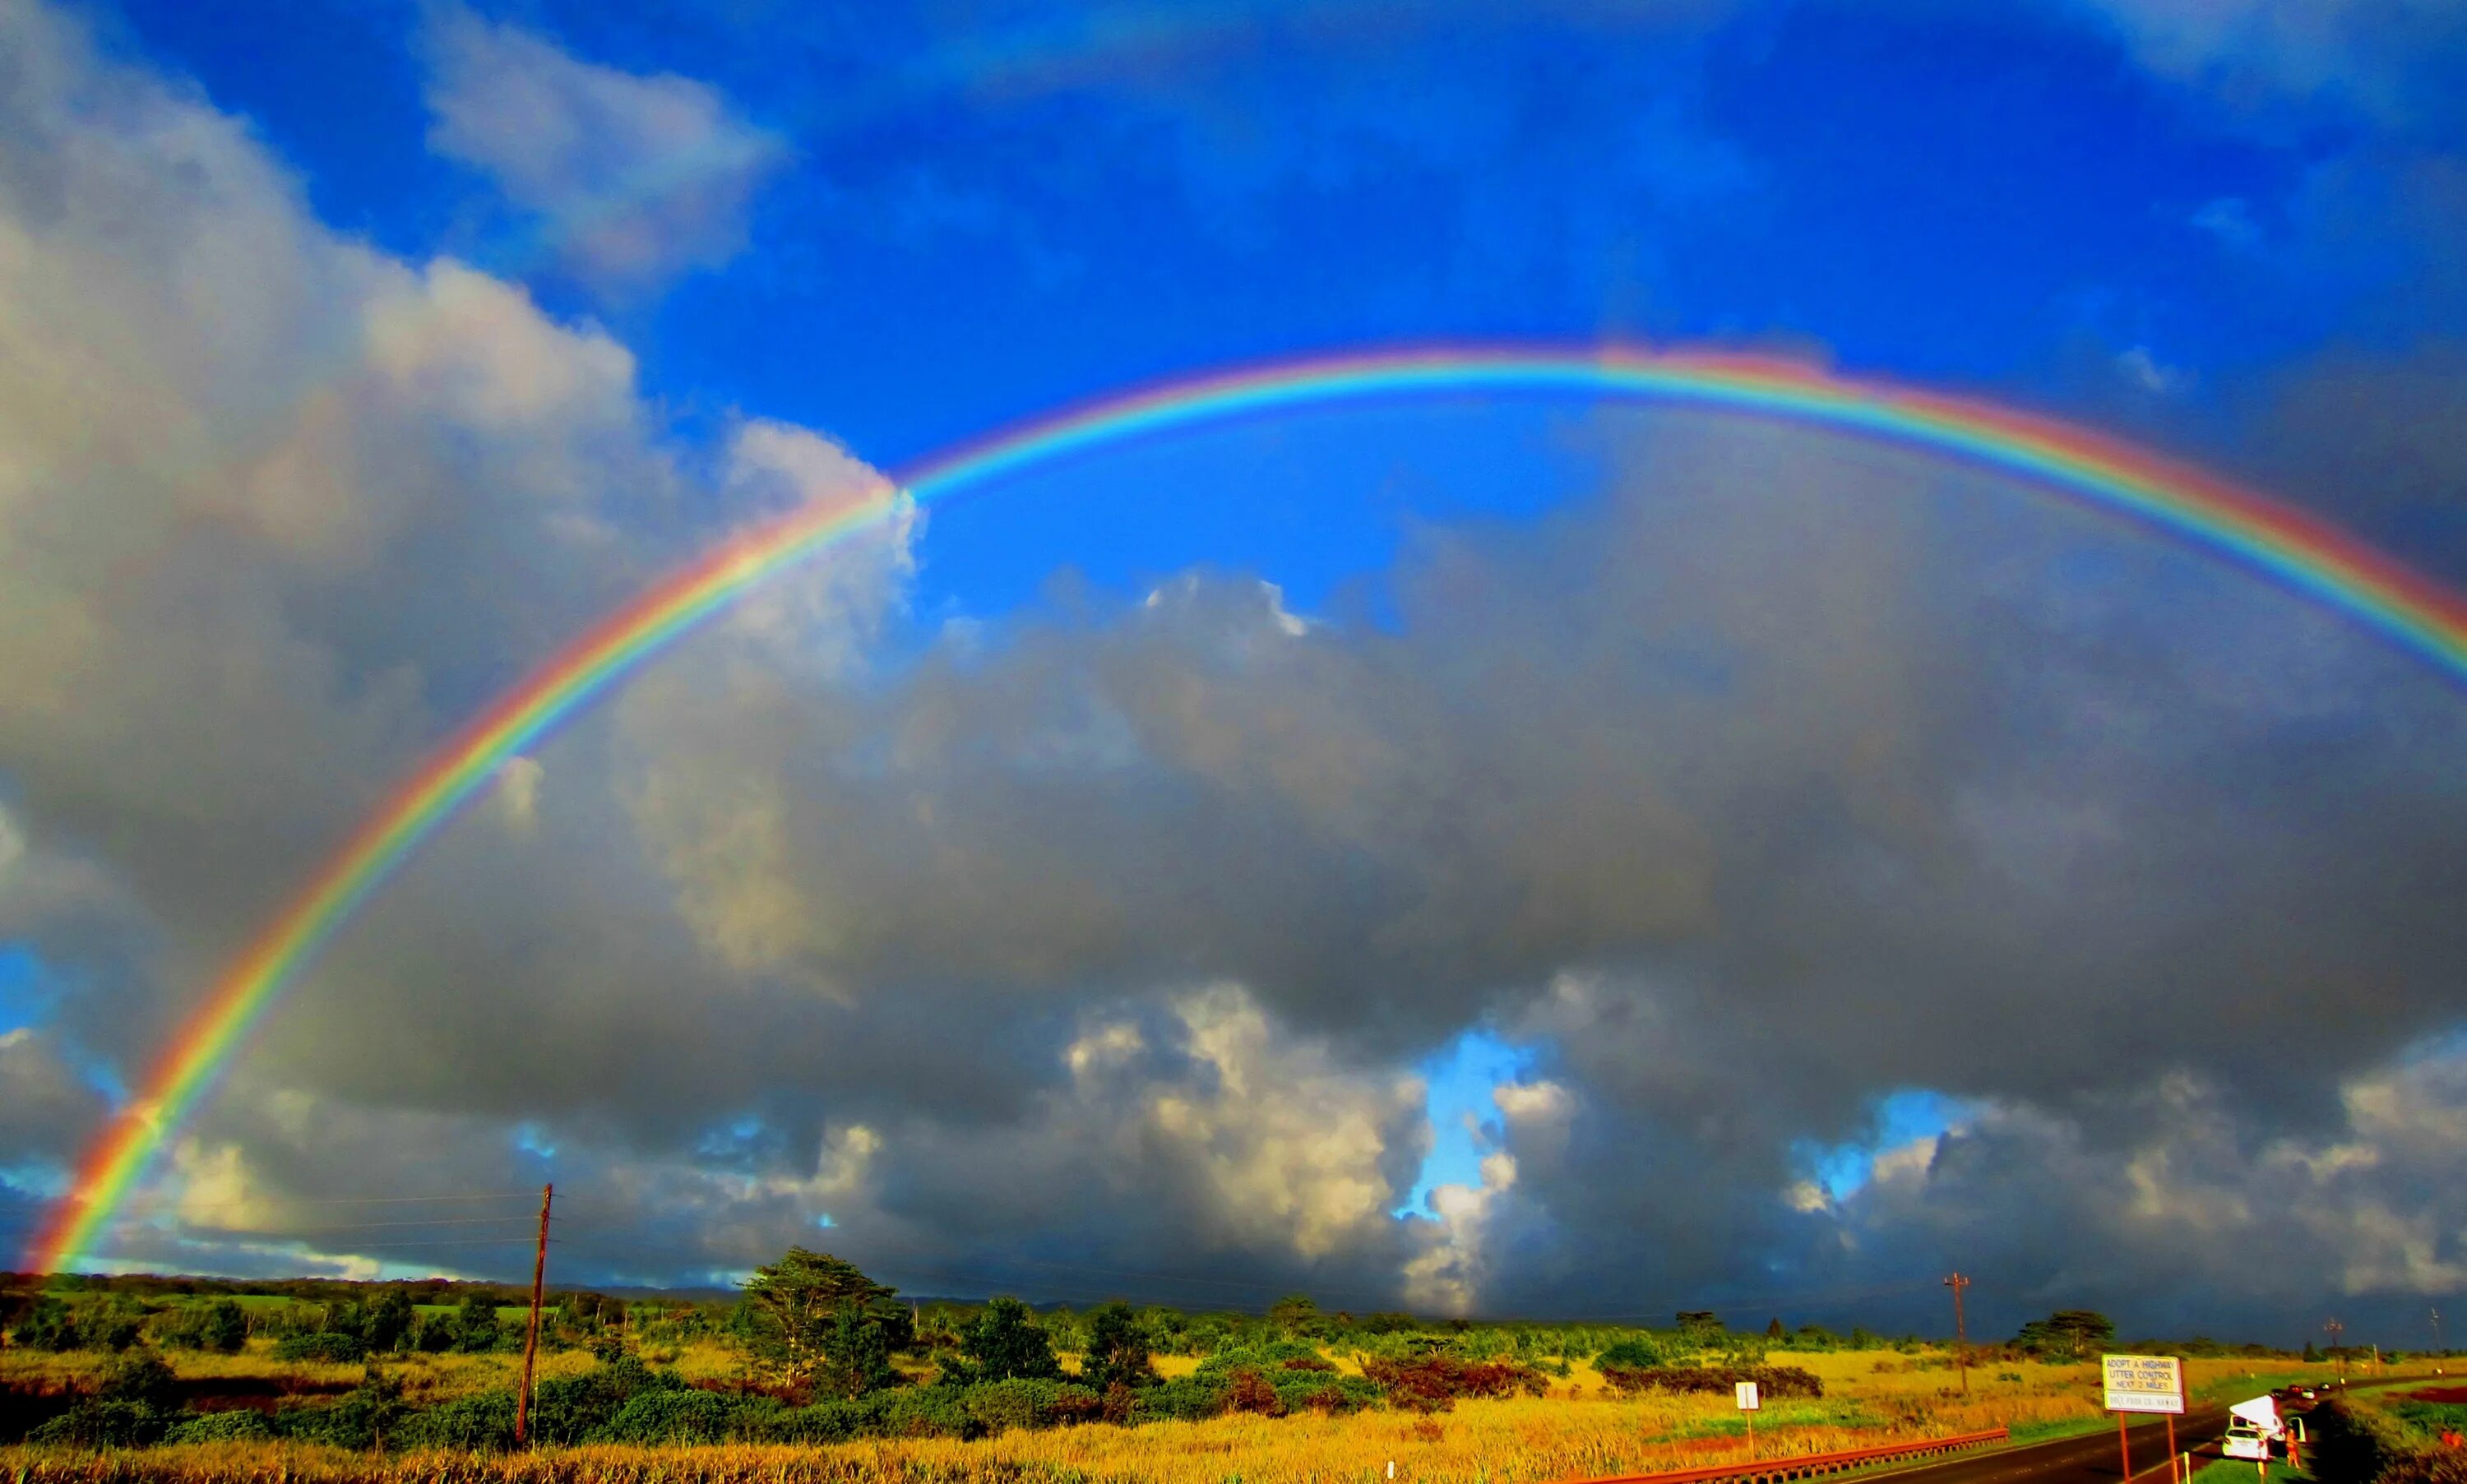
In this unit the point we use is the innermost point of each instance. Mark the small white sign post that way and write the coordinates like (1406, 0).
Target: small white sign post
(1749, 1402)
(2142, 1383)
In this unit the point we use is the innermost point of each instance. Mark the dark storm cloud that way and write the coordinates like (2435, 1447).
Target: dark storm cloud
(1782, 776)
(1759, 710)
(44, 1104)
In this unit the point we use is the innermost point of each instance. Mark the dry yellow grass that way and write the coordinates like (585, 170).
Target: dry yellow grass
(1523, 1440)
(1578, 1429)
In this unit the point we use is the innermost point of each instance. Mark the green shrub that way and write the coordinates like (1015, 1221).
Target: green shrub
(368, 1415)
(94, 1423)
(2355, 1442)
(474, 1424)
(328, 1345)
(1636, 1353)
(568, 1410)
(113, 1323)
(998, 1405)
(924, 1413)
(670, 1415)
(1275, 1354)
(144, 1380)
(239, 1425)
(834, 1421)
(1322, 1391)
(1183, 1399)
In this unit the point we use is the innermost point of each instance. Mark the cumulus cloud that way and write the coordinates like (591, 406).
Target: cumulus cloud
(2158, 1196)
(1734, 795)
(277, 512)
(1287, 1147)
(632, 178)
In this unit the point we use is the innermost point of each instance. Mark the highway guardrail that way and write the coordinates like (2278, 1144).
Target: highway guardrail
(1808, 1466)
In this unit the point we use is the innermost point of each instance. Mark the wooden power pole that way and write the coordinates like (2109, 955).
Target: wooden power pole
(1960, 1332)
(530, 1339)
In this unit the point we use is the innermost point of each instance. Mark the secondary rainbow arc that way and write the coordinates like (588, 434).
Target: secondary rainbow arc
(2297, 549)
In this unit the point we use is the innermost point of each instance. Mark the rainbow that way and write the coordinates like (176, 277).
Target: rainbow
(2201, 510)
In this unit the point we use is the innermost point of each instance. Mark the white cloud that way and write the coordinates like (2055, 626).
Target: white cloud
(1287, 1143)
(1447, 1276)
(2355, 49)
(808, 621)
(2139, 367)
(635, 178)
(518, 786)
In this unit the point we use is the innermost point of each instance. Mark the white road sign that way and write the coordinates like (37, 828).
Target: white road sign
(1747, 1391)
(2143, 1383)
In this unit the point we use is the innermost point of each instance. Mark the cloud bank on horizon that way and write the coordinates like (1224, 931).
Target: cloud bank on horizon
(1086, 894)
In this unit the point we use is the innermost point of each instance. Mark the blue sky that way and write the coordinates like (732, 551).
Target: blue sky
(1679, 807)
(1952, 196)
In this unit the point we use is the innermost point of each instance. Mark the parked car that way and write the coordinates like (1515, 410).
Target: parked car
(2246, 1440)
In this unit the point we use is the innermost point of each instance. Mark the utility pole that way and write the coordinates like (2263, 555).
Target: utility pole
(2436, 1334)
(2337, 1329)
(1961, 1330)
(531, 1340)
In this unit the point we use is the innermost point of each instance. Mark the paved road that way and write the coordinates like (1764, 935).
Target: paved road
(2090, 1458)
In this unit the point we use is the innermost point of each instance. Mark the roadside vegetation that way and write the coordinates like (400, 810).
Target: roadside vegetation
(2395, 1437)
(818, 1371)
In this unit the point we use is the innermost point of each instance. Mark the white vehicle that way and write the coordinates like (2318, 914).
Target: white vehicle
(2252, 1426)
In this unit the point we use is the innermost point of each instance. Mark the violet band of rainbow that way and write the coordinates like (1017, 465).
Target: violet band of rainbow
(2298, 551)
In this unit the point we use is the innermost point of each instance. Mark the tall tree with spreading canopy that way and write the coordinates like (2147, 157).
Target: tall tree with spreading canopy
(2066, 1334)
(820, 1321)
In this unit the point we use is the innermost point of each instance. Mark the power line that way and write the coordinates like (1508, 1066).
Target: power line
(476, 1195)
(452, 1221)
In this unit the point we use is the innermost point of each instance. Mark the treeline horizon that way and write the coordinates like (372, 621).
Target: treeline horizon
(2047, 1337)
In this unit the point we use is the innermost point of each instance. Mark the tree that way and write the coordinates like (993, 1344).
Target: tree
(390, 1317)
(1118, 1349)
(820, 1321)
(2312, 1353)
(476, 1326)
(225, 1327)
(1297, 1315)
(1774, 1331)
(1699, 1326)
(2067, 1335)
(1005, 1342)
